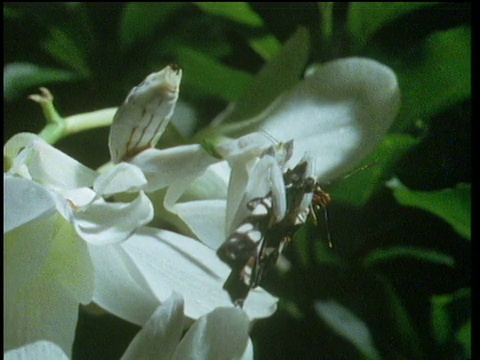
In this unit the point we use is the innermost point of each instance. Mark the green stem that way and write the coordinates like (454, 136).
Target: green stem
(58, 127)
(55, 127)
(51, 133)
(88, 121)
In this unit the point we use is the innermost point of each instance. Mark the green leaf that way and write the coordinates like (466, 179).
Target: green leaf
(366, 18)
(266, 46)
(437, 77)
(452, 205)
(391, 254)
(464, 337)
(66, 51)
(406, 336)
(348, 325)
(357, 189)
(18, 77)
(236, 11)
(311, 247)
(9, 12)
(446, 310)
(140, 20)
(278, 76)
(207, 76)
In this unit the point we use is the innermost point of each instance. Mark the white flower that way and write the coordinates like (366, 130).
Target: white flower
(128, 281)
(48, 271)
(337, 115)
(220, 334)
(334, 117)
(192, 269)
(70, 186)
(51, 217)
(137, 126)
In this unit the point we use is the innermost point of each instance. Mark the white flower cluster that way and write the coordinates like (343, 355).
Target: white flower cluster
(75, 236)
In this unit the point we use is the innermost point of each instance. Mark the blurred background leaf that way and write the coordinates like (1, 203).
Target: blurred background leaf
(20, 76)
(359, 187)
(140, 20)
(366, 18)
(452, 205)
(235, 11)
(436, 76)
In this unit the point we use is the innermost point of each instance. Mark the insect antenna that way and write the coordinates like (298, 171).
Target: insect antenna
(270, 136)
(321, 199)
(360, 169)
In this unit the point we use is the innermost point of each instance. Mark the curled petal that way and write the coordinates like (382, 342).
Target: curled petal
(339, 113)
(120, 178)
(178, 168)
(221, 334)
(173, 166)
(38, 350)
(45, 164)
(247, 147)
(24, 201)
(103, 223)
(160, 334)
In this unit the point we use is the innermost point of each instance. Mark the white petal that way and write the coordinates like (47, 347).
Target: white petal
(38, 350)
(119, 178)
(206, 219)
(43, 304)
(174, 166)
(339, 114)
(47, 165)
(248, 146)
(249, 181)
(68, 200)
(24, 201)
(120, 288)
(103, 223)
(221, 334)
(248, 353)
(70, 263)
(160, 334)
(41, 311)
(26, 249)
(212, 185)
(143, 117)
(172, 262)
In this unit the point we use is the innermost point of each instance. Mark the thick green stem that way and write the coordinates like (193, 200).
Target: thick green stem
(55, 127)
(58, 127)
(90, 120)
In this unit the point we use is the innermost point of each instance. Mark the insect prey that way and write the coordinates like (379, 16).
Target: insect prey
(255, 245)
